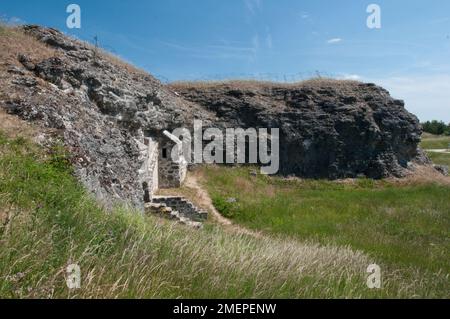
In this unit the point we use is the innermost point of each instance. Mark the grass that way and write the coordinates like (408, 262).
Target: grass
(13, 41)
(321, 236)
(406, 227)
(49, 221)
(430, 142)
(435, 142)
(440, 158)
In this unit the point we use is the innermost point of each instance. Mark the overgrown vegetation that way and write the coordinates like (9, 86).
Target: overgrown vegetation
(319, 236)
(49, 221)
(13, 42)
(440, 158)
(439, 143)
(404, 226)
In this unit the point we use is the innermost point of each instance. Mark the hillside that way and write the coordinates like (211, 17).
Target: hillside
(49, 221)
(105, 111)
(99, 106)
(76, 131)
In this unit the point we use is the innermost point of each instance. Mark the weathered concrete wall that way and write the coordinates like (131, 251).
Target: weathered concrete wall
(172, 164)
(149, 170)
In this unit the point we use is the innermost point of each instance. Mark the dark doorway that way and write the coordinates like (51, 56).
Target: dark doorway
(146, 192)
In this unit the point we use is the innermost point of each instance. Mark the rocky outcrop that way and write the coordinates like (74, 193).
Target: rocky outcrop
(101, 107)
(443, 169)
(328, 128)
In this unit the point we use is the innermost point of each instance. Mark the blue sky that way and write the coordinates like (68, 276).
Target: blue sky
(281, 40)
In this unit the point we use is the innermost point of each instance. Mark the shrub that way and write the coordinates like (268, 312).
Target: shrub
(224, 207)
(436, 127)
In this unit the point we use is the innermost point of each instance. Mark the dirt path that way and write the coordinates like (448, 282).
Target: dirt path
(204, 200)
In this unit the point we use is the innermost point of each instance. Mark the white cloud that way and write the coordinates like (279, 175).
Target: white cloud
(12, 20)
(427, 96)
(334, 40)
(354, 77)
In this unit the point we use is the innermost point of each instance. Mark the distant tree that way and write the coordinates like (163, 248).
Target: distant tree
(436, 127)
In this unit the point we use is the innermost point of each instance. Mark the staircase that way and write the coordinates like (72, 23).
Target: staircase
(177, 208)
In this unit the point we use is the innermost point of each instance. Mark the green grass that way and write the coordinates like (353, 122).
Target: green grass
(435, 142)
(403, 226)
(430, 142)
(48, 221)
(440, 158)
(52, 222)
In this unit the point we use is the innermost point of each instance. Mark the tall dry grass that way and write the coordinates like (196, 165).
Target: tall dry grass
(13, 42)
(52, 222)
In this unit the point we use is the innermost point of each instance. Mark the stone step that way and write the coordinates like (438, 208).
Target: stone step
(155, 205)
(159, 209)
(164, 211)
(163, 198)
(183, 206)
(177, 208)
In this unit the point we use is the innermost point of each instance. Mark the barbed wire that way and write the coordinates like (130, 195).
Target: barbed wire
(269, 77)
(265, 76)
